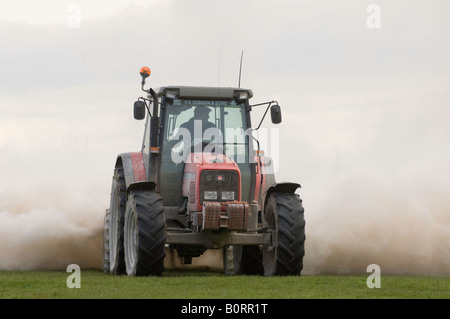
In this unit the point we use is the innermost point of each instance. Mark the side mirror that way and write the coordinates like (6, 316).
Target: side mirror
(139, 110)
(275, 114)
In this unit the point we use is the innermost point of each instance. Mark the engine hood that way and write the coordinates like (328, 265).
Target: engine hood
(198, 162)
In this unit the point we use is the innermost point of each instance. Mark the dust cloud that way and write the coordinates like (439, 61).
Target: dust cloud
(48, 228)
(362, 221)
(211, 259)
(403, 227)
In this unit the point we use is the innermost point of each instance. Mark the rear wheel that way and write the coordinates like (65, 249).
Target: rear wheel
(117, 218)
(144, 234)
(105, 260)
(229, 260)
(284, 214)
(248, 260)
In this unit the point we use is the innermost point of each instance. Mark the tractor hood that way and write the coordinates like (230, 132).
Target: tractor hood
(220, 171)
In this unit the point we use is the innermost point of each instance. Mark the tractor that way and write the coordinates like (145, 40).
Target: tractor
(199, 182)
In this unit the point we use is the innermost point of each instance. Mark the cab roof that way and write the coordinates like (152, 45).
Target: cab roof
(203, 91)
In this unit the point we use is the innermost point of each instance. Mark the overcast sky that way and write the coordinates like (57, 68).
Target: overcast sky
(364, 109)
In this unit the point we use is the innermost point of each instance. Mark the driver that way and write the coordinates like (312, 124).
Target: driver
(200, 120)
(200, 129)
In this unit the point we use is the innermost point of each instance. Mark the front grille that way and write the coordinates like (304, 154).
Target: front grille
(219, 180)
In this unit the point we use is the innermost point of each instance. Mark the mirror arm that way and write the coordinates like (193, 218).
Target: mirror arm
(146, 105)
(253, 105)
(265, 113)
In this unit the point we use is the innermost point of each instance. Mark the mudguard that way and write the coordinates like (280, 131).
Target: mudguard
(133, 167)
(285, 187)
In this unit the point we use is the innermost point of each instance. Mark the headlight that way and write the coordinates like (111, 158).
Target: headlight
(210, 195)
(226, 195)
(242, 95)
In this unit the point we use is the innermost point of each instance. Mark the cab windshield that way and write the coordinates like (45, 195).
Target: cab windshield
(206, 125)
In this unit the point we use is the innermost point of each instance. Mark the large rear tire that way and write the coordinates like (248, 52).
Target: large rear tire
(228, 260)
(145, 236)
(284, 214)
(117, 218)
(248, 260)
(106, 227)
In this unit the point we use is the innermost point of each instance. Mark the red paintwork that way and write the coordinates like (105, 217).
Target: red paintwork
(196, 163)
(260, 188)
(138, 167)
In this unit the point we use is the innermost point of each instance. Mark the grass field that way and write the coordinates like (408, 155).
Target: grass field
(214, 285)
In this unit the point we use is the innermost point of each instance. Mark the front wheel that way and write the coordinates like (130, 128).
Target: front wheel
(144, 234)
(284, 214)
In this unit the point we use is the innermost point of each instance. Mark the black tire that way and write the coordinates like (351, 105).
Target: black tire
(105, 257)
(284, 214)
(248, 260)
(229, 263)
(145, 236)
(117, 221)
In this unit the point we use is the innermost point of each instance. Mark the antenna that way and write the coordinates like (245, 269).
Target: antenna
(240, 70)
(220, 54)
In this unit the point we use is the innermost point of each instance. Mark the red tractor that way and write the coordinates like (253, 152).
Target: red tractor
(201, 182)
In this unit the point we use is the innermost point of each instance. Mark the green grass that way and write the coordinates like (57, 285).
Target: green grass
(213, 285)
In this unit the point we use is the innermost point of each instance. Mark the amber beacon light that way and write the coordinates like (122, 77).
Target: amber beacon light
(145, 71)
